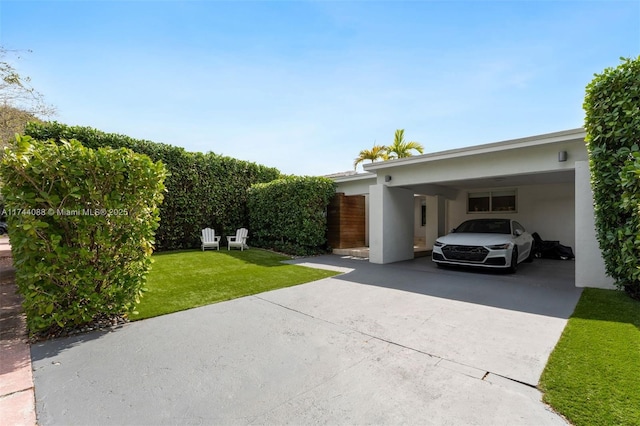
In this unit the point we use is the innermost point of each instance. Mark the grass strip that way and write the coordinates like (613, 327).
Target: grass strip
(188, 279)
(593, 374)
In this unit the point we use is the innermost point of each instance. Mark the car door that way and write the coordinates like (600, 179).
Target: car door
(522, 240)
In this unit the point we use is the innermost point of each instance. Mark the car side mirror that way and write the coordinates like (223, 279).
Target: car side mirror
(517, 232)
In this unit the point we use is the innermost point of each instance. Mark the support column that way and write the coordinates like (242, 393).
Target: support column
(590, 269)
(390, 224)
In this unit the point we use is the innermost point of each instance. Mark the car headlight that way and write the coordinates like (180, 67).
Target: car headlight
(438, 244)
(504, 246)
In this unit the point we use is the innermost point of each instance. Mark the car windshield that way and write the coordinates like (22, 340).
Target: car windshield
(485, 226)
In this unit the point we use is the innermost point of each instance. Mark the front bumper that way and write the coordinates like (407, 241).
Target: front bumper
(472, 256)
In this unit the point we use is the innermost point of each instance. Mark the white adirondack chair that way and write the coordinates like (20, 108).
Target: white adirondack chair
(209, 239)
(239, 240)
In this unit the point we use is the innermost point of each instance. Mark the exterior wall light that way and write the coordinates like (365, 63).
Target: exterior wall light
(562, 156)
(387, 178)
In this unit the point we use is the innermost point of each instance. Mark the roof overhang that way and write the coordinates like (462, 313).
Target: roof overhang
(532, 141)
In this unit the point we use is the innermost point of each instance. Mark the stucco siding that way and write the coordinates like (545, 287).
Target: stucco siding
(547, 209)
(590, 269)
(390, 224)
(537, 159)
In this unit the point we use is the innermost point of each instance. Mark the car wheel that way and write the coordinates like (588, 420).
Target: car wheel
(514, 261)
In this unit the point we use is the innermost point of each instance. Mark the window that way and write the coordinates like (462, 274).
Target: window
(492, 201)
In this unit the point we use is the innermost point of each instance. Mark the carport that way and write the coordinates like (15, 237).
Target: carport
(541, 181)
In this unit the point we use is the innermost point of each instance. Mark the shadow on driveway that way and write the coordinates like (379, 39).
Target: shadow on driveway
(543, 287)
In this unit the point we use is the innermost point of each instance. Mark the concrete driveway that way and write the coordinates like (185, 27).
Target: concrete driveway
(384, 344)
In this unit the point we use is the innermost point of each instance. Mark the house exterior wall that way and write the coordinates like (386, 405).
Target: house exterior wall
(356, 186)
(547, 209)
(390, 224)
(527, 160)
(590, 269)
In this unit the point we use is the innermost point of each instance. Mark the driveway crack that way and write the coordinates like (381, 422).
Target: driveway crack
(391, 342)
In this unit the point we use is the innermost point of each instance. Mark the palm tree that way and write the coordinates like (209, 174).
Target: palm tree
(402, 149)
(378, 152)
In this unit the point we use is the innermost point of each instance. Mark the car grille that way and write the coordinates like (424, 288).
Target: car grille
(466, 253)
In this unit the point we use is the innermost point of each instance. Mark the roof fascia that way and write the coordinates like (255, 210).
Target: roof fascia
(548, 138)
(356, 177)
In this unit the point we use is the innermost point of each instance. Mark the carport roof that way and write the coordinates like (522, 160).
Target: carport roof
(548, 138)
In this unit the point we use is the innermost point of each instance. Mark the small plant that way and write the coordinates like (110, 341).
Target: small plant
(82, 226)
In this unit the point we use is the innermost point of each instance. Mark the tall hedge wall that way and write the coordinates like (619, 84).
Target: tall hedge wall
(82, 224)
(203, 190)
(290, 214)
(612, 122)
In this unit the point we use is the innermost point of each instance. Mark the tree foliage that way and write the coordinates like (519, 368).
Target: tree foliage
(290, 214)
(203, 190)
(398, 149)
(82, 226)
(13, 121)
(377, 152)
(402, 149)
(20, 102)
(612, 106)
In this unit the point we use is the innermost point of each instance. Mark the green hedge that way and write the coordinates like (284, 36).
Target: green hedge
(81, 224)
(203, 190)
(612, 106)
(290, 214)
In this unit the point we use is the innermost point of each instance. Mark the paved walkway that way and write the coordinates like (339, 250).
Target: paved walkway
(16, 381)
(379, 344)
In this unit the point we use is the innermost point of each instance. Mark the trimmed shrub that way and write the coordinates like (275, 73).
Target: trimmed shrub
(203, 190)
(612, 106)
(82, 226)
(290, 214)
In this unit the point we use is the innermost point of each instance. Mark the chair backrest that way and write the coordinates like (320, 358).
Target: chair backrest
(208, 235)
(241, 234)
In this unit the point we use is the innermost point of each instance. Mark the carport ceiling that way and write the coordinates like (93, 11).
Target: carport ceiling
(498, 181)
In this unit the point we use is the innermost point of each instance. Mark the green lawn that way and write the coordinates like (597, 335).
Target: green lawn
(593, 374)
(187, 279)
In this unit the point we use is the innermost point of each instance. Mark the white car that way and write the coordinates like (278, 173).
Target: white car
(490, 243)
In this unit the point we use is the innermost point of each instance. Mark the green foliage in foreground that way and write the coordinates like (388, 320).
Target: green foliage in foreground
(188, 279)
(290, 214)
(203, 190)
(81, 224)
(612, 122)
(593, 374)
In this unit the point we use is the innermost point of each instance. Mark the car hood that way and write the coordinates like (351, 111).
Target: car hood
(470, 239)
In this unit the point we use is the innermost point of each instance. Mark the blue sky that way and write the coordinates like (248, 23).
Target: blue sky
(304, 86)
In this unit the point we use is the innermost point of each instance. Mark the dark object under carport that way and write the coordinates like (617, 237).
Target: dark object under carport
(551, 249)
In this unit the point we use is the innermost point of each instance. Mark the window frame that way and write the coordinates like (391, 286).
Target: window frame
(490, 196)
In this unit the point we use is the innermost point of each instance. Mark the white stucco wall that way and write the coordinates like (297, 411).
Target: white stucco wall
(537, 159)
(355, 185)
(590, 269)
(546, 209)
(391, 215)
